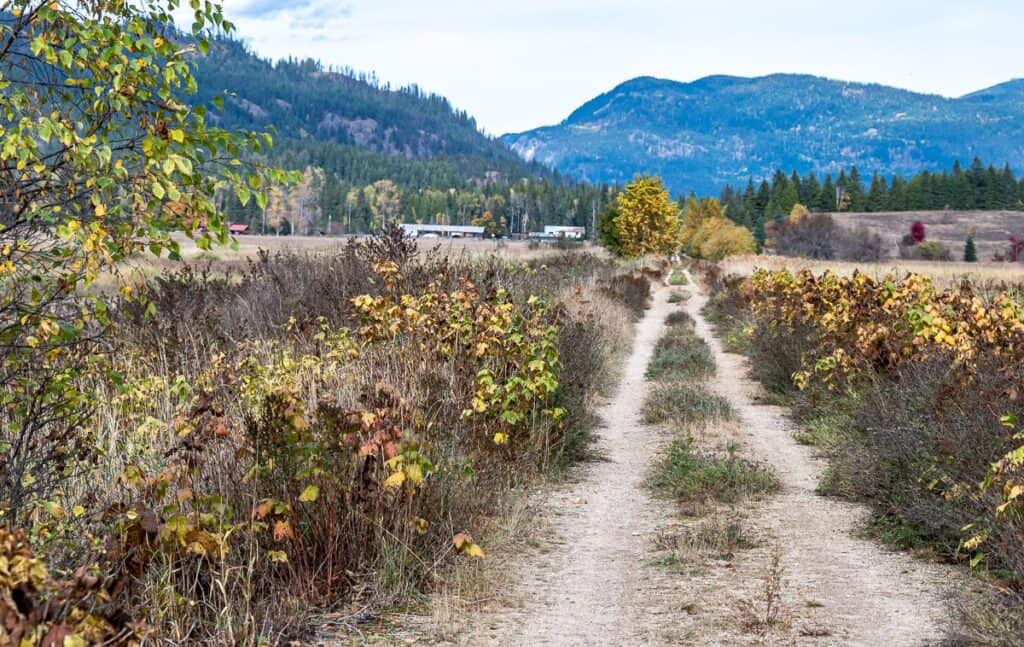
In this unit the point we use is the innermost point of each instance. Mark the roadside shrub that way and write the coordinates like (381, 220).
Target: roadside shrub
(633, 290)
(319, 428)
(925, 384)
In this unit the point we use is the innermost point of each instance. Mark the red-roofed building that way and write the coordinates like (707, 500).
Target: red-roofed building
(238, 228)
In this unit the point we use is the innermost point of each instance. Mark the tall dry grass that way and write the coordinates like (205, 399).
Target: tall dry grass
(244, 478)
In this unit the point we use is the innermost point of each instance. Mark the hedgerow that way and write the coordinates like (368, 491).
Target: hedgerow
(925, 384)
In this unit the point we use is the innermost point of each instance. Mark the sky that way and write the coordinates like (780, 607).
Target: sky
(528, 63)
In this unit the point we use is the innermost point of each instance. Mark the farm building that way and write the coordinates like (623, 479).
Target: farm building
(446, 231)
(559, 231)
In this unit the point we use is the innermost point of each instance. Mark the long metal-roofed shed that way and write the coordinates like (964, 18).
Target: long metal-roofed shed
(414, 230)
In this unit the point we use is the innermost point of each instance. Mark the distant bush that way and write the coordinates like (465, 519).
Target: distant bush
(708, 234)
(804, 234)
(1014, 251)
(818, 236)
(931, 250)
(917, 232)
(860, 244)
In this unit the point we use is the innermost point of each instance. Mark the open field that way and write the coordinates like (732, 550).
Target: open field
(951, 228)
(224, 259)
(249, 246)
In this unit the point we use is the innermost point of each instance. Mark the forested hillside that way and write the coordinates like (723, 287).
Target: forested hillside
(369, 153)
(718, 130)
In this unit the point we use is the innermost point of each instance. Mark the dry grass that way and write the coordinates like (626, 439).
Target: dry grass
(232, 260)
(944, 273)
(249, 245)
(719, 535)
(762, 615)
(951, 228)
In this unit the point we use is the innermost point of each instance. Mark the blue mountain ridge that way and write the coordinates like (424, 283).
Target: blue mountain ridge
(725, 129)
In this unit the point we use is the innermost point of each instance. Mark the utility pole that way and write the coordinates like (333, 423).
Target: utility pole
(593, 221)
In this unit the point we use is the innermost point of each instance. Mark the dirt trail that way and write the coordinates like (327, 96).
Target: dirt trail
(593, 588)
(868, 596)
(597, 586)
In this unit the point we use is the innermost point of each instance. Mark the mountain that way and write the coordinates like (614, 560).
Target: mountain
(702, 135)
(301, 99)
(365, 146)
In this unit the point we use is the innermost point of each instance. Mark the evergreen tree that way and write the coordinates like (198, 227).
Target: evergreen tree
(970, 251)
(811, 191)
(878, 195)
(827, 200)
(855, 191)
(897, 200)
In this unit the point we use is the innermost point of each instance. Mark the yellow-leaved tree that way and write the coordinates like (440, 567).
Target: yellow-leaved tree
(708, 233)
(647, 220)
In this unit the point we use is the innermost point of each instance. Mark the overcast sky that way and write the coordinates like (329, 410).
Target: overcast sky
(522, 64)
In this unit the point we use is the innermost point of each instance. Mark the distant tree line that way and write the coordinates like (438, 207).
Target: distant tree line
(976, 187)
(345, 189)
(369, 154)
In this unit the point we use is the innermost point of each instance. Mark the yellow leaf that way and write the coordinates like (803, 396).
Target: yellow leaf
(309, 494)
(177, 135)
(500, 438)
(277, 555)
(395, 480)
(283, 530)
(474, 551)
(415, 473)
(421, 525)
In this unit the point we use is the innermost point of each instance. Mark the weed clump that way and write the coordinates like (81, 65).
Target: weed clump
(680, 354)
(695, 477)
(684, 404)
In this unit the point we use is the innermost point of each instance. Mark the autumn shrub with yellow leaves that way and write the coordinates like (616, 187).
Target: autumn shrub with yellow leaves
(273, 447)
(922, 388)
